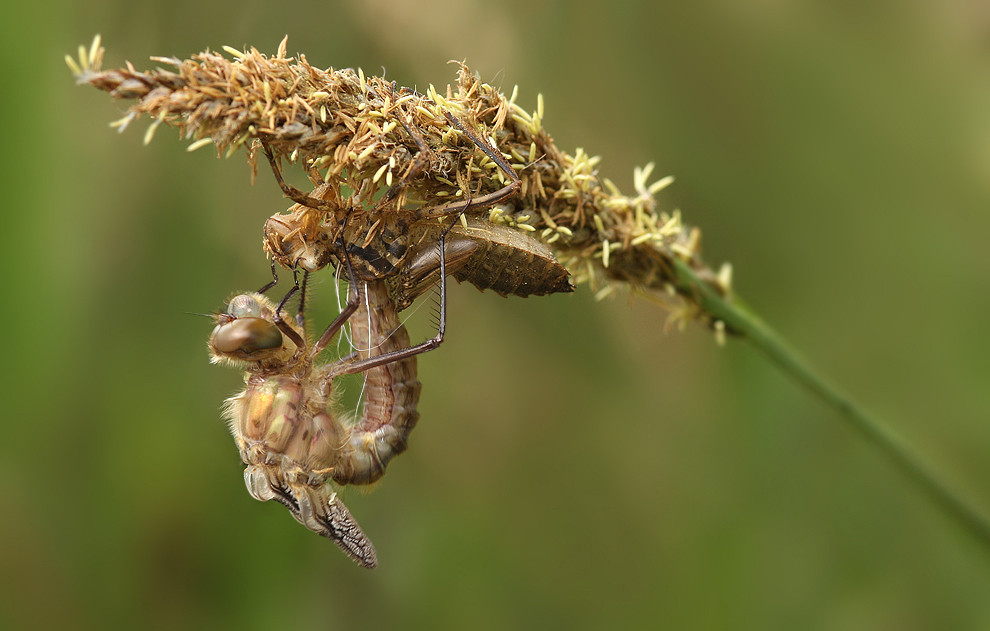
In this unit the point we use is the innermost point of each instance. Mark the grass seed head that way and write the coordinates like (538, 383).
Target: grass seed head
(353, 131)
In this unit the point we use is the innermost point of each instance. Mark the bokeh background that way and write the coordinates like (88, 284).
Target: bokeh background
(575, 467)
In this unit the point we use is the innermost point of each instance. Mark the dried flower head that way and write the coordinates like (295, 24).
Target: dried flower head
(361, 134)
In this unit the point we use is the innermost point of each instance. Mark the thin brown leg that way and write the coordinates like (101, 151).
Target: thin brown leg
(484, 146)
(273, 282)
(353, 295)
(292, 192)
(282, 325)
(484, 201)
(423, 159)
(344, 367)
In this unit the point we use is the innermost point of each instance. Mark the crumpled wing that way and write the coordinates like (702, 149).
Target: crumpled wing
(317, 508)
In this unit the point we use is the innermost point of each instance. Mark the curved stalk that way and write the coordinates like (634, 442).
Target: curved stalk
(904, 457)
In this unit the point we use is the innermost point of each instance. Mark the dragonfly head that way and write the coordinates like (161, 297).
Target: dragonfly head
(246, 332)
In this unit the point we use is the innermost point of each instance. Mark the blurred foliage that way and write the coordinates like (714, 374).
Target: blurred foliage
(574, 466)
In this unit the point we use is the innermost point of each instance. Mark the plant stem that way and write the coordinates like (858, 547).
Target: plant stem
(739, 320)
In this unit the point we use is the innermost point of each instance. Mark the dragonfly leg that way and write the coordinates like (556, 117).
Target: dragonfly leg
(345, 367)
(349, 308)
(483, 201)
(277, 319)
(423, 159)
(273, 282)
(292, 192)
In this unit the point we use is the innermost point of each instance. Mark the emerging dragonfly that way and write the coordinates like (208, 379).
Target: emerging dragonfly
(290, 436)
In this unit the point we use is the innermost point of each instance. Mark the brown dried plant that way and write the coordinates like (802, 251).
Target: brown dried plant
(361, 134)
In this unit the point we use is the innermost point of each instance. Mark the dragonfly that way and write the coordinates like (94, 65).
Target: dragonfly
(296, 444)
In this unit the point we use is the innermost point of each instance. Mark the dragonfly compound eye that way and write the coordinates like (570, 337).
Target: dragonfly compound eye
(245, 306)
(245, 337)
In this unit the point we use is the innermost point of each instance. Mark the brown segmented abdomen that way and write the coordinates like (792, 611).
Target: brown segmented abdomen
(509, 261)
(391, 391)
(487, 255)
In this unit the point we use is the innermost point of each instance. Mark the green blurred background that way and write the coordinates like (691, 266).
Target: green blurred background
(574, 466)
